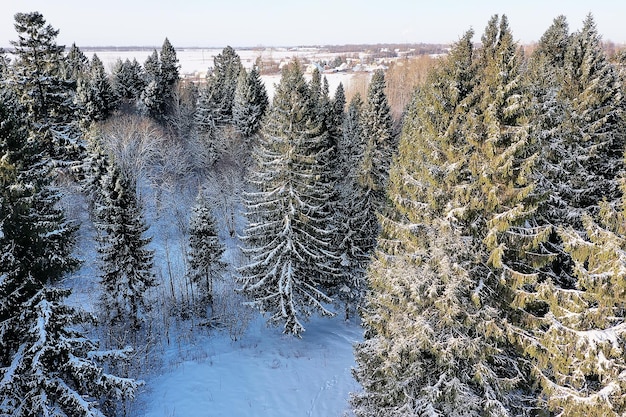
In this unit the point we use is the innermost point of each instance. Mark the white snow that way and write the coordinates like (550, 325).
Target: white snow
(265, 373)
(203, 371)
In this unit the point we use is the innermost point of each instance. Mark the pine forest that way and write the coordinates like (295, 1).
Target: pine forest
(472, 233)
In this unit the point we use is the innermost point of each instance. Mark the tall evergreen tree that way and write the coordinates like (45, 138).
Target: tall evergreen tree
(215, 105)
(205, 250)
(127, 265)
(94, 93)
(43, 88)
(572, 326)
(438, 316)
(250, 103)
(153, 97)
(47, 366)
(379, 140)
(288, 235)
(76, 63)
(128, 80)
(169, 68)
(355, 222)
(352, 141)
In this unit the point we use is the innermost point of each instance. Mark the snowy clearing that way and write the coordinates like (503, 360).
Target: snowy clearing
(262, 374)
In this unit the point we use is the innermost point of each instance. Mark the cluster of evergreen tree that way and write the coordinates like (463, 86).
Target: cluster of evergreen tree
(315, 192)
(49, 103)
(48, 366)
(497, 289)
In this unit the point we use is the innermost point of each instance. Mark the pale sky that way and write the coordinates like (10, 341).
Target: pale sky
(241, 23)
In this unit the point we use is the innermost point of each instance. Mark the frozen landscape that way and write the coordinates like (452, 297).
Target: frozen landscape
(262, 374)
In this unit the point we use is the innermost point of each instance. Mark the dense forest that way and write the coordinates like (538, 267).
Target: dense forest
(480, 235)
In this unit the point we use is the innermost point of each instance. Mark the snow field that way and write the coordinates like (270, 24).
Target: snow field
(264, 373)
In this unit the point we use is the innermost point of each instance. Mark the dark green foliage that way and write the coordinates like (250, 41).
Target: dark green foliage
(94, 94)
(215, 106)
(43, 88)
(251, 102)
(53, 370)
(379, 140)
(205, 251)
(76, 63)
(436, 320)
(126, 262)
(289, 232)
(128, 80)
(46, 365)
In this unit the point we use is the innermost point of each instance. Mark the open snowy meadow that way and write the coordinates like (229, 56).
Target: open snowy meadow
(262, 374)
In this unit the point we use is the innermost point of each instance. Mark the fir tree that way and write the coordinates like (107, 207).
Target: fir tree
(578, 350)
(595, 135)
(355, 221)
(94, 94)
(568, 302)
(288, 235)
(437, 320)
(379, 141)
(205, 250)
(76, 63)
(128, 80)
(580, 118)
(43, 88)
(250, 102)
(126, 262)
(352, 141)
(47, 366)
(217, 99)
(153, 97)
(338, 112)
(53, 371)
(169, 68)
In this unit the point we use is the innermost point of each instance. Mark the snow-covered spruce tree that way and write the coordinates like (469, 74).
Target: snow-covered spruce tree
(127, 265)
(128, 82)
(355, 222)
(379, 140)
(338, 112)
(578, 351)
(47, 366)
(153, 94)
(361, 192)
(250, 102)
(573, 331)
(354, 240)
(35, 229)
(217, 98)
(352, 141)
(595, 129)
(43, 88)
(288, 235)
(437, 319)
(169, 74)
(54, 370)
(205, 251)
(315, 86)
(580, 120)
(94, 94)
(95, 168)
(75, 63)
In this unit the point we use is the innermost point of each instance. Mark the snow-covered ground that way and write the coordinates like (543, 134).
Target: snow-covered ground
(264, 373)
(239, 367)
